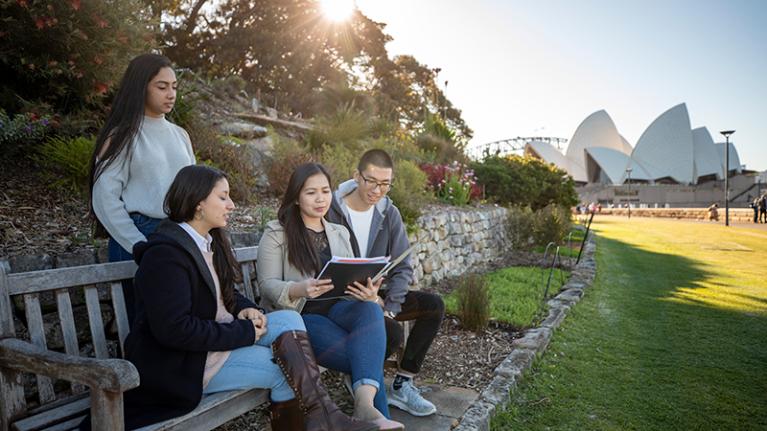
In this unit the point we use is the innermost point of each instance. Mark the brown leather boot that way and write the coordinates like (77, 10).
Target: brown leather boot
(287, 416)
(294, 354)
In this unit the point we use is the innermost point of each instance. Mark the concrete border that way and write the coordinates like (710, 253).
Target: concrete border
(531, 345)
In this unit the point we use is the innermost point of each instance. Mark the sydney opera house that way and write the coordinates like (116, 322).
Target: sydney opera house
(669, 151)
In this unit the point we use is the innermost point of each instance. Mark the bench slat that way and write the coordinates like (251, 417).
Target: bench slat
(53, 416)
(37, 337)
(68, 331)
(214, 410)
(50, 279)
(96, 323)
(12, 400)
(247, 284)
(68, 425)
(246, 254)
(121, 314)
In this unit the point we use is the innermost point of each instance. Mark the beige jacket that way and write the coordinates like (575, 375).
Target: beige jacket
(276, 275)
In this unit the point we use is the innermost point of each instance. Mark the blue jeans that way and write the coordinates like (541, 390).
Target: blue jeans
(146, 225)
(352, 339)
(252, 366)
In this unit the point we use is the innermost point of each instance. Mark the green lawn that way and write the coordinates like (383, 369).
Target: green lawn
(671, 336)
(516, 293)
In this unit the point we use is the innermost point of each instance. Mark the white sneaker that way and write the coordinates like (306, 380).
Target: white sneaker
(409, 399)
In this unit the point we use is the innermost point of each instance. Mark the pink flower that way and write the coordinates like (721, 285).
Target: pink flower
(75, 4)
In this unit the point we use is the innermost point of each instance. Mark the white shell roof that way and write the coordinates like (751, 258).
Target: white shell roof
(613, 163)
(665, 148)
(707, 158)
(734, 159)
(597, 130)
(548, 153)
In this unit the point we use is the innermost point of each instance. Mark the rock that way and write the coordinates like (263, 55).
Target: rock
(242, 130)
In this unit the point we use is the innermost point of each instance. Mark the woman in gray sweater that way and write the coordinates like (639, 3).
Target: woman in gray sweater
(138, 153)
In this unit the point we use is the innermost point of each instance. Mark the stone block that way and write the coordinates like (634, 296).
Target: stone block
(516, 363)
(26, 263)
(535, 339)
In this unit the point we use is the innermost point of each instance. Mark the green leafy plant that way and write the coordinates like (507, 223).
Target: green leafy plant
(551, 224)
(409, 192)
(21, 132)
(67, 161)
(226, 154)
(473, 302)
(519, 227)
(68, 52)
(525, 181)
(286, 155)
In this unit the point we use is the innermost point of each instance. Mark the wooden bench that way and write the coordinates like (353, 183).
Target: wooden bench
(97, 382)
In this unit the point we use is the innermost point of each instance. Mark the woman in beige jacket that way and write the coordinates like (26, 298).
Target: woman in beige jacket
(347, 334)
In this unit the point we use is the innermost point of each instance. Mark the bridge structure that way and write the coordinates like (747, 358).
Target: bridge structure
(505, 147)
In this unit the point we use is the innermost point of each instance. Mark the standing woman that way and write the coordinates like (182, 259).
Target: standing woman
(138, 153)
(346, 335)
(194, 334)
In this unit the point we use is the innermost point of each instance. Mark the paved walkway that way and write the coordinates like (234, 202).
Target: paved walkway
(451, 404)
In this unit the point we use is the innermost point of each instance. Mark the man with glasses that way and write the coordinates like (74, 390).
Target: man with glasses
(377, 229)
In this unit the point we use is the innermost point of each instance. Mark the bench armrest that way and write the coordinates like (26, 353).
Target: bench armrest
(111, 375)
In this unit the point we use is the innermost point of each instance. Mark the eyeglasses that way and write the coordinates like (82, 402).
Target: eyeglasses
(370, 182)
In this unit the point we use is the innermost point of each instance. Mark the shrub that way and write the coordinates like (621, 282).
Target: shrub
(68, 161)
(454, 184)
(346, 126)
(551, 224)
(519, 227)
(68, 52)
(340, 161)
(525, 181)
(286, 155)
(22, 132)
(473, 302)
(409, 191)
(440, 141)
(226, 154)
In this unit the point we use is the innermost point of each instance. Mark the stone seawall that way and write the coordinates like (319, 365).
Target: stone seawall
(743, 215)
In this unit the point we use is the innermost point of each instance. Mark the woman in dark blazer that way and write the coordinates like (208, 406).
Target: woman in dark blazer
(194, 334)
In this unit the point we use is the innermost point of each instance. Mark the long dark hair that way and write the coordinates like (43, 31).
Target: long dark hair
(191, 186)
(301, 253)
(124, 118)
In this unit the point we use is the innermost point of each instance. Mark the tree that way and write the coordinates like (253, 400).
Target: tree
(67, 53)
(525, 181)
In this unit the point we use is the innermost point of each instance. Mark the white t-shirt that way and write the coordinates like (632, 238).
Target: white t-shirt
(361, 221)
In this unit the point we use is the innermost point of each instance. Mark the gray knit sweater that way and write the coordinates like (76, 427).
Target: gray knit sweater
(138, 184)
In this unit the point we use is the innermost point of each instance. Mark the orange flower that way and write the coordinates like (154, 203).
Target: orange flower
(97, 60)
(39, 23)
(75, 4)
(23, 3)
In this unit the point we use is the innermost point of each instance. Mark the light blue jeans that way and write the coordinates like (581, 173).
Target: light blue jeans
(252, 366)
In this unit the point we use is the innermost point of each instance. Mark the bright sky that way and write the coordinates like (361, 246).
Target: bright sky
(538, 68)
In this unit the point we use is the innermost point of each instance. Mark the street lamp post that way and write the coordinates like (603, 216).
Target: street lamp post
(628, 173)
(726, 134)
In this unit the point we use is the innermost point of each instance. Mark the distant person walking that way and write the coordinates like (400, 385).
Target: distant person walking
(763, 209)
(754, 205)
(713, 212)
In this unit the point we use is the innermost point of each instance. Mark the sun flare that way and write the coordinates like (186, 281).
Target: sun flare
(337, 10)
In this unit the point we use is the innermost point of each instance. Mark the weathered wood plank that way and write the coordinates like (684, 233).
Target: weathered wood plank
(12, 402)
(6, 308)
(37, 336)
(69, 425)
(121, 314)
(49, 279)
(247, 283)
(59, 414)
(68, 331)
(108, 374)
(214, 410)
(107, 410)
(246, 254)
(96, 322)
